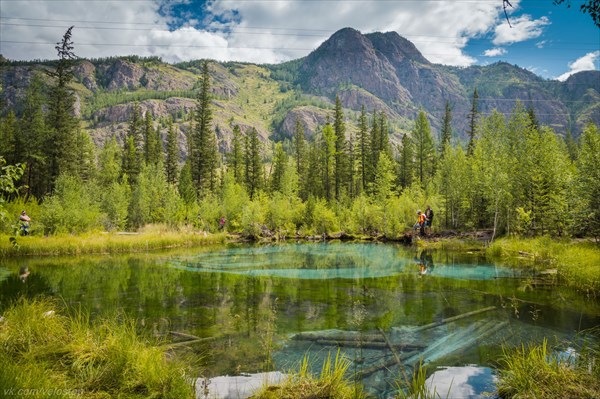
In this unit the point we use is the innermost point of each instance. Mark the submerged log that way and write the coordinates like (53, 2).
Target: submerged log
(365, 344)
(396, 357)
(183, 335)
(337, 336)
(453, 318)
(389, 363)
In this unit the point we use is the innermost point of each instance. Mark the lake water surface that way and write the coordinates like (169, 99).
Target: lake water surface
(268, 306)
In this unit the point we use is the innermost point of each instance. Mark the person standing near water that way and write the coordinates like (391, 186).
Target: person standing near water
(24, 219)
(429, 216)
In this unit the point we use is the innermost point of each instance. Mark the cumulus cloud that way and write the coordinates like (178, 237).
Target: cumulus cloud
(262, 31)
(523, 28)
(585, 63)
(494, 52)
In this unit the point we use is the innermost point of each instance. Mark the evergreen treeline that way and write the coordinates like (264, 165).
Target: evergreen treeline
(513, 176)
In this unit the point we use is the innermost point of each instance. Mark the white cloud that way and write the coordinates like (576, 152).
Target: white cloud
(494, 52)
(585, 63)
(541, 44)
(266, 31)
(523, 28)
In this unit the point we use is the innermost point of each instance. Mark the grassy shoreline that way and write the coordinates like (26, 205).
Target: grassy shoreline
(104, 243)
(577, 263)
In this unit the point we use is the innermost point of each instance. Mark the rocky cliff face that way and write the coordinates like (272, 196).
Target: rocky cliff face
(388, 67)
(382, 71)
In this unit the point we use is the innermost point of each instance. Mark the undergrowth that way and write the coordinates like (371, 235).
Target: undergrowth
(47, 354)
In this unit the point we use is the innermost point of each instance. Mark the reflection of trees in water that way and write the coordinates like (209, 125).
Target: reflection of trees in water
(25, 283)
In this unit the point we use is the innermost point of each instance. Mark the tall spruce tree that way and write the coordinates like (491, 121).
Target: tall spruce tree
(341, 157)
(172, 156)
(299, 146)
(446, 134)
(133, 150)
(253, 163)
(473, 115)
(424, 149)
(406, 162)
(34, 134)
(588, 182)
(280, 161)
(363, 148)
(61, 118)
(235, 160)
(328, 158)
(204, 143)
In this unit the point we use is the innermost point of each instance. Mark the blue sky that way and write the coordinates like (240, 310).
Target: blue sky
(550, 40)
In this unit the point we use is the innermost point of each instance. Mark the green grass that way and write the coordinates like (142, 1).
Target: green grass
(55, 355)
(99, 242)
(331, 383)
(577, 263)
(452, 244)
(534, 372)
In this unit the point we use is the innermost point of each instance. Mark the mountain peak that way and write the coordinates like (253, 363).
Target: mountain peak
(395, 47)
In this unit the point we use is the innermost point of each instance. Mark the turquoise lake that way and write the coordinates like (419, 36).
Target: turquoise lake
(266, 307)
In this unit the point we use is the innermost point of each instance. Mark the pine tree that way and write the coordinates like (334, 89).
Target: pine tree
(341, 168)
(375, 145)
(299, 145)
(34, 132)
(588, 181)
(384, 178)
(235, 159)
(328, 158)
(204, 143)
(406, 162)
(363, 148)
(535, 123)
(109, 163)
(172, 156)
(253, 163)
(279, 166)
(133, 153)
(314, 184)
(185, 185)
(473, 115)
(384, 136)
(446, 134)
(572, 146)
(11, 139)
(424, 149)
(153, 151)
(61, 118)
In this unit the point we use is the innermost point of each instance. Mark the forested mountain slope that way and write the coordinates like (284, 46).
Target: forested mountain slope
(381, 71)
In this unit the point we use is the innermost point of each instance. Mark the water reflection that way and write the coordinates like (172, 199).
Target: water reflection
(252, 299)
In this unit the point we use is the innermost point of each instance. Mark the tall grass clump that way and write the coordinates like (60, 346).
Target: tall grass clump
(577, 263)
(331, 383)
(44, 351)
(417, 387)
(533, 371)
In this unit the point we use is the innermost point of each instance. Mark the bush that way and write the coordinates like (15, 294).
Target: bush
(71, 209)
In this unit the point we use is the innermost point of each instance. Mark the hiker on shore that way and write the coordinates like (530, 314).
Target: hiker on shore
(429, 218)
(421, 220)
(24, 219)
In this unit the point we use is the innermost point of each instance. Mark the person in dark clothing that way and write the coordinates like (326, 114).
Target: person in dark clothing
(429, 216)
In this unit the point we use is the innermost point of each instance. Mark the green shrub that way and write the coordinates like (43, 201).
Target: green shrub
(71, 209)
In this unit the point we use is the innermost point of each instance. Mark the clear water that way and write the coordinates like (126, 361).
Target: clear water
(254, 300)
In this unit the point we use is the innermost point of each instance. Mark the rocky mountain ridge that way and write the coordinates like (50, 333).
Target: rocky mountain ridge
(382, 71)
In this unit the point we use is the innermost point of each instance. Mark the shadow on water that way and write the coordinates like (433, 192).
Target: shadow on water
(258, 301)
